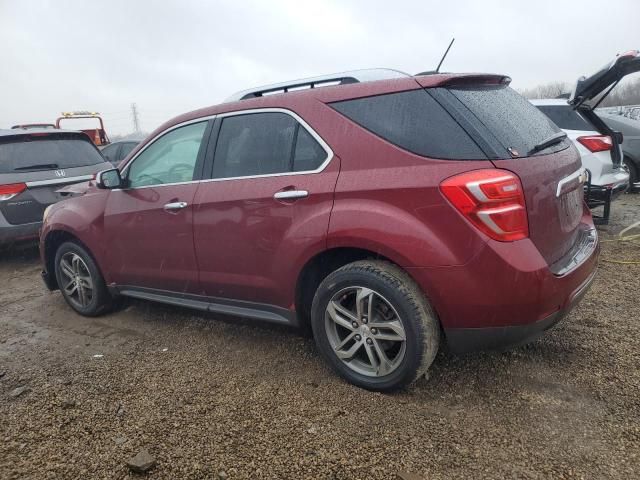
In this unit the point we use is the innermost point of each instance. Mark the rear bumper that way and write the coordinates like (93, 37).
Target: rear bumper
(464, 340)
(16, 233)
(507, 294)
(601, 194)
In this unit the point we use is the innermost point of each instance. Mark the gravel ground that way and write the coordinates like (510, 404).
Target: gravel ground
(206, 395)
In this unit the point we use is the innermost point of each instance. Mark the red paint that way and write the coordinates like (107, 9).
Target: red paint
(236, 241)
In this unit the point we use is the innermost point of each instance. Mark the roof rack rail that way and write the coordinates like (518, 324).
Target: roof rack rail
(355, 76)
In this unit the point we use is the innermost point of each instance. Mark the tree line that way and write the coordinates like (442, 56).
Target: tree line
(627, 93)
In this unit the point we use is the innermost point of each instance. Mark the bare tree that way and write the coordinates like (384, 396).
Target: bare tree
(627, 93)
(547, 90)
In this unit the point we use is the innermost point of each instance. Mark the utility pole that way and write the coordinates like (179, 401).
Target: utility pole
(135, 118)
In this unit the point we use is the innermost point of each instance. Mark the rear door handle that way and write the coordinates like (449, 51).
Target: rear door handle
(291, 194)
(175, 206)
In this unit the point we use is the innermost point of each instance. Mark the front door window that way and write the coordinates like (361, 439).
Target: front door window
(170, 159)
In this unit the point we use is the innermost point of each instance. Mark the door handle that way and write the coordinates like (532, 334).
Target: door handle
(291, 194)
(174, 206)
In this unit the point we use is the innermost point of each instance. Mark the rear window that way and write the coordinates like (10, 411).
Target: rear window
(414, 121)
(565, 117)
(31, 154)
(513, 120)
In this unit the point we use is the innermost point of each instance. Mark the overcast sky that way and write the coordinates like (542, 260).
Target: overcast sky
(174, 56)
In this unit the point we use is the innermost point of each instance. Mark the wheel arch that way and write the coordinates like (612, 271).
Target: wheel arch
(318, 267)
(635, 162)
(52, 242)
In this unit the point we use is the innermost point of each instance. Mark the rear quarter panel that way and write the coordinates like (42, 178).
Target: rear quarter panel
(388, 200)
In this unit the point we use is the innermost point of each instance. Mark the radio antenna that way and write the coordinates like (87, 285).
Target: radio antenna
(445, 55)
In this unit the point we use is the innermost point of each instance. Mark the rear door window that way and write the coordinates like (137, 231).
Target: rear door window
(565, 117)
(413, 121)
(28, 153)
(308, 154)
(265, 144)
(513, 120)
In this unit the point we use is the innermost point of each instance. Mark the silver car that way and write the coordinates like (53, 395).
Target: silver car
(34, 165)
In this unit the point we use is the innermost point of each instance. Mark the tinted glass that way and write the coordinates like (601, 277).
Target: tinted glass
(309, 155)
(513, 120)
(254, 144)
(42, 154)
(565, 117)
(170, 159)
(111, 152)
(413, 121)
(126, 149)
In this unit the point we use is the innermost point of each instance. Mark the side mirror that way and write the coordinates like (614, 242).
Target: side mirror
(109, 179)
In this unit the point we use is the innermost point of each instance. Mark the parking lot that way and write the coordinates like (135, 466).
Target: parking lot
(206, 395)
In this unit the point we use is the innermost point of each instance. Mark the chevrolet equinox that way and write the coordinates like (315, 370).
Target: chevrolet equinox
(387, 213)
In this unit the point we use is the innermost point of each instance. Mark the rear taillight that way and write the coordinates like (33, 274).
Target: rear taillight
(492, 200)
(596, 143)
(9, 191)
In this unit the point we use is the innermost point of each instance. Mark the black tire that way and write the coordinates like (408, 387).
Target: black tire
(398, 290)
(100, 301)
(634, 174)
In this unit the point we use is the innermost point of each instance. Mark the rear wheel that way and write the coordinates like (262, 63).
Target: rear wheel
(374, 326)
(633, 172)
(80, 281)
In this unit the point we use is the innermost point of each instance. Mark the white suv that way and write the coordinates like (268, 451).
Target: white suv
(595, 149)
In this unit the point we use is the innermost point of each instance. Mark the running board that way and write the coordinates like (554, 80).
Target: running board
(236, 308)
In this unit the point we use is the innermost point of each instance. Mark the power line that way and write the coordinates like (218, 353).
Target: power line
(134, 116)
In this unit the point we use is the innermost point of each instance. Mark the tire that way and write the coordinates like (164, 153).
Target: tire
(79, 273)
(634, 176)
(395, 301)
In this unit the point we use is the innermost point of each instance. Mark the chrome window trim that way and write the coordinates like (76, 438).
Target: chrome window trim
(58, 181)
(325, 146)
(151, 142)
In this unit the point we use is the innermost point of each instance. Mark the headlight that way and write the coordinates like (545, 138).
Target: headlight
(46, 212)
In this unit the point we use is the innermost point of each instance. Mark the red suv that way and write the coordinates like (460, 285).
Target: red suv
(389, 213)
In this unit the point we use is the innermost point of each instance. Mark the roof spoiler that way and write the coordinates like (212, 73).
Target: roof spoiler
(474, 80)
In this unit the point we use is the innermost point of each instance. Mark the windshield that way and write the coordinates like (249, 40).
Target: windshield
(47, 154)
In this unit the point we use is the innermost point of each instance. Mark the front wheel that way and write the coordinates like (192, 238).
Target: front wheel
(374, 326)
(80, 280)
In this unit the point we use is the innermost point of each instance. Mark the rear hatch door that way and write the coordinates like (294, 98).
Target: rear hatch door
(43, 164)
(517, 137)
(588, 88)
(590, 91)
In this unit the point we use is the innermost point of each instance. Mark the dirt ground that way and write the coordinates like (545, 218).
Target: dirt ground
(210, 397)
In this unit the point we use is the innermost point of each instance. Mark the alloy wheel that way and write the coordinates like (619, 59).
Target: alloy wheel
(77, 283)
(365, 331)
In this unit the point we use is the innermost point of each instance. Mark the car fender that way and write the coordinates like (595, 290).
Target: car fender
(82, 217)
(410, 238)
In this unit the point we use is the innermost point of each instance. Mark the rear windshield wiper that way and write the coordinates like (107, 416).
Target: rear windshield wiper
(40, 166)
(547, 142)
